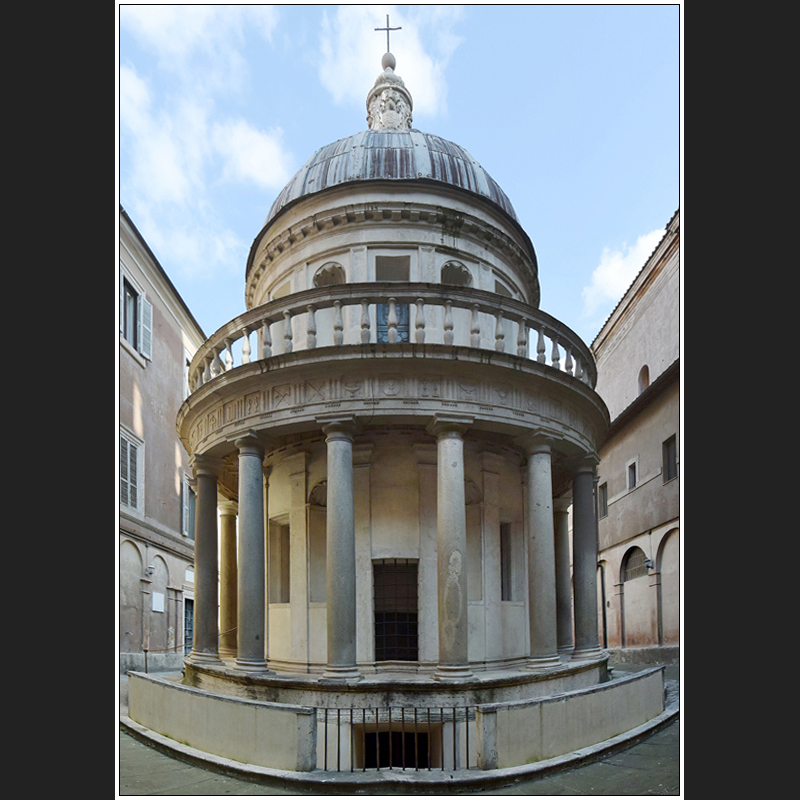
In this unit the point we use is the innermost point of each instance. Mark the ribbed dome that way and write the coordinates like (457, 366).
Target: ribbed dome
(397, 155)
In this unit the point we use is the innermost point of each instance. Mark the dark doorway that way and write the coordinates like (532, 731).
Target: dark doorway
(396, 749)
(188, 626)
(395, 603)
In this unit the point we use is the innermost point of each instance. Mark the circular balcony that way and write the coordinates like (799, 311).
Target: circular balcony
(393, 353)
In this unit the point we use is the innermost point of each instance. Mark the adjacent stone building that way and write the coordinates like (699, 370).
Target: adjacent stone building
(638, 362)
(157, 338)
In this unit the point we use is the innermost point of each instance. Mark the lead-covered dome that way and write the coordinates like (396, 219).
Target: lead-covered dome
(391, 150)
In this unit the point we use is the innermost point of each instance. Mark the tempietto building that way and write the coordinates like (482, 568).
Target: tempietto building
(386, 446)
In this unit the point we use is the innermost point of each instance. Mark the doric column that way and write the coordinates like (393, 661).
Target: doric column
(341, 551)
(584, 547)
(566, 642)
(251, 648)
(452, 548)
(541, 557)
(206, 593)
(228, 579)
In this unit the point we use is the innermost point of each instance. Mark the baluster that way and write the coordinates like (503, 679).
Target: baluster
(228, 355)
(246, 346)
(448, 322)
(338, 324)
(499, 333)
(287, 332)
(311, 329)
(541, 358)
(568, 360)
(475, 328)
(555, 355)
(522, 338)
(578, 368)
(216, 365)
(420, 321)
(391, 321)
(207, 369)
(365, 322)
(266, 341)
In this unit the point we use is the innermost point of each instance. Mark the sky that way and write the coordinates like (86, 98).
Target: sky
(575, 110)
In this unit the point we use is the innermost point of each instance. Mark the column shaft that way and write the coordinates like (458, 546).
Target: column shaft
(452, 554)
(251, 567)
(228, 580)
(541, 561)
(584, 545)
(341, 554)
(566, 642)
(206, 592)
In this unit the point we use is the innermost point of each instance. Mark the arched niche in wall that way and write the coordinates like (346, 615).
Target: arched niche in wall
(454, 273)
(330, 274)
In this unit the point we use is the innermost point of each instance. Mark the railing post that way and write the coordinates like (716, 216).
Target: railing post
(540, 348)
(448, 322)
(420, 321)
(311, 329)
(499, 333)
(522, 338)
(266, 341)
(338, 324)
(475, 327)
(246, 346)
(287, 332)
(365, 334)
(555, 355)
(228, 355)
(391, 322)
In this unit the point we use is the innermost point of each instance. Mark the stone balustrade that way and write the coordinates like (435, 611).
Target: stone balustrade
(437, 314)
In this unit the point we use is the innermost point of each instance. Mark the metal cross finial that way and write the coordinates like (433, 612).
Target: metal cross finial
(387, 29)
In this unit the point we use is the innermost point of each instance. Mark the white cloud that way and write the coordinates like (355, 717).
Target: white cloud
(617, 269)
(176, 137)
(351, 52)
(252, 155)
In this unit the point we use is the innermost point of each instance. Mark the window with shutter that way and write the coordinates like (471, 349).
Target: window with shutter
(136, 318)
(129, 490)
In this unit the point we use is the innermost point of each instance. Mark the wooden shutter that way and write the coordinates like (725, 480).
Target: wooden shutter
(145, 337)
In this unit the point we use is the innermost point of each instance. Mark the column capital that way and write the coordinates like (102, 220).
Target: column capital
(562, 503)
(338, 425)
(250, 443)
(444, 424)
(537, 442)
(586, 462)
(205, 465)
(228, 508)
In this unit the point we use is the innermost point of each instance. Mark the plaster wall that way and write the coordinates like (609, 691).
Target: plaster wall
(643, 331)
(653, 501)
(395, 517)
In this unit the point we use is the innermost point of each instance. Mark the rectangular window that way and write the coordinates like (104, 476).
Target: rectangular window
(506, 563)
(669, 457)
(187, 508)
(602, 499)
(135, 318)
(395, 602)
(129, 470)
(632, 475)
(278, 563)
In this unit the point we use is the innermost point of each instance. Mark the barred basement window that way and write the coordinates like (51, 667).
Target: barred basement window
(395, 603)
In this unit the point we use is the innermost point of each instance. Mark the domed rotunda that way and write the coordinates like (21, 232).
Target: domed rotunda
(387, 444)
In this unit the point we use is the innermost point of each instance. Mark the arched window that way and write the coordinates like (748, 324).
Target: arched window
(330, 274)
(634, 564)
(454, 273)
(644, 378)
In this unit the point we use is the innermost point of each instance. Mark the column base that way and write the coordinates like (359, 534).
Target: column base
(452, 674)
(543, 662)
(203, 658)
(244, 665)
(592, 652)
(341, 675)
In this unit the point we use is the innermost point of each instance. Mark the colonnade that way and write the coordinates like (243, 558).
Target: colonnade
(556, 604)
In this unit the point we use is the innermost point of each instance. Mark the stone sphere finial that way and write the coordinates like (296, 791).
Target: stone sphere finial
(388, 61)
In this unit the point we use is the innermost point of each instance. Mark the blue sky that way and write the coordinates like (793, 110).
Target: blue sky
(574, 109)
